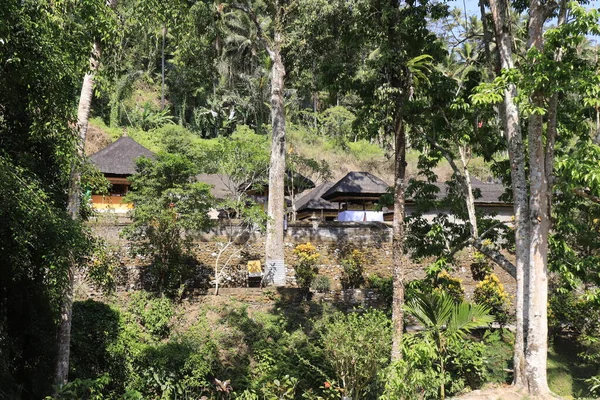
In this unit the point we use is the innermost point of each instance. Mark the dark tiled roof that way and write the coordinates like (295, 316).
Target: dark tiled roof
(357, 185)
(313, 200)
(222, 185)
(119, 157)
(490, 192)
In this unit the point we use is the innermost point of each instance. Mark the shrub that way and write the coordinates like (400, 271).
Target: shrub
(321, 284)
(306, 266)
(153, 313)
(450, 285)
(446, 324)
(83, 389)
(490, 293)
(103, 267)
(498, 355)
(169, 211)
(353, 264)
(480, 267)
(384, 287)
(466, 365)
(181, 365)
(356, 346)
(416, 375)
(96, 331)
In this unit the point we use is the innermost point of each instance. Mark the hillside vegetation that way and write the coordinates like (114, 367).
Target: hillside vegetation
(262, 91)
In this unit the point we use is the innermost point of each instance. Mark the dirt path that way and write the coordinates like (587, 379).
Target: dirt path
(502, 393)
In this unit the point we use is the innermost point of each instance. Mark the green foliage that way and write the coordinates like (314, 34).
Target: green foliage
(384, 287)
(147, 118)
(169, 208)
(306, 265)
(244, 158)
(466, 365)
(321, 284)
(357, 346)
(446, 323)
(84, 389)
(416, 375)
(152, 313)
(280, 389)
(353, 265)
(577, 315)
(44, 52)
(594, 385)
(491, 294)
(96, 349)
(498, 355)
(138, 350)
(103, 267)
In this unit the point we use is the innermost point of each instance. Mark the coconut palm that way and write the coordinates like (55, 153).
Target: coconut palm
(445, 321)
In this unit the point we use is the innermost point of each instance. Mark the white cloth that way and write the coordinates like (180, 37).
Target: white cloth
(360, 216)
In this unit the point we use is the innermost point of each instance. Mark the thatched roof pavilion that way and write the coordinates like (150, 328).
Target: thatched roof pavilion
(117, 162)
(357, 187)
(312, 203)
(118, 158)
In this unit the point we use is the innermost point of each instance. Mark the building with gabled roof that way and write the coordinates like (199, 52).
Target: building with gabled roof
(311, 204)
(361, 190)
(117, 162)
(358, 188)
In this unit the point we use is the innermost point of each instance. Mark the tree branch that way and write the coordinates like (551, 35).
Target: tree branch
(497, 257)
(583, 193)
(488, 251)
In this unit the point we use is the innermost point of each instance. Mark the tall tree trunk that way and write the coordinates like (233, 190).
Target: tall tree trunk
(537, 290)
(73, 206)
(510, 117)
(536, 351)
(276, 206)
(61, 373)
(398, 238)
(162, 70)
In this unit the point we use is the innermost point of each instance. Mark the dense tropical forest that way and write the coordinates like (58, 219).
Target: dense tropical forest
(263, 91)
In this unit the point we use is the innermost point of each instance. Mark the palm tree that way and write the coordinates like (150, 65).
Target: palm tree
(446, 321)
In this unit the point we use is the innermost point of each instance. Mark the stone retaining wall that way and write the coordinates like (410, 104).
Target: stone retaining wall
(332, 240)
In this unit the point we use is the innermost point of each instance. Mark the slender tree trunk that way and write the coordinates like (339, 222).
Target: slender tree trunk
(398, 238)
(468, 193)
(464, 179)
(162, 71)
(73, 206)
(61, 373)
(510, 117)
(597, 137)
(276, 206)
(552, 131)
(536, 351)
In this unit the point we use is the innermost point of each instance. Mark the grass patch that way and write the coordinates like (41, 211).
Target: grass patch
(566, 373)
